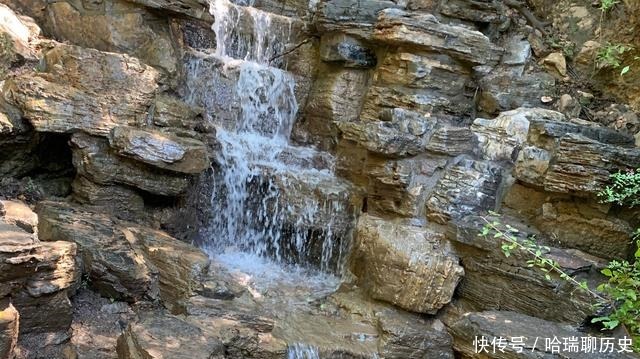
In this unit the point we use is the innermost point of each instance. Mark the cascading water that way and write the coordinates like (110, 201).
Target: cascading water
(302, 351)
(257, 221)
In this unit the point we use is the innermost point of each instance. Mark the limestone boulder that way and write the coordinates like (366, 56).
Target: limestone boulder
(425, 32)
(502, 91)
(572, 157)
(405, 135)
(38, 277)
(124, 260)
(113, 265)
(580, 223)
(467, 186)
(160, 149)
(18, 37)
(163, 336)
(95, 160)
(180, 266)
(523, 336)
(584, 166)
(399, 187)
(121, 201)
(346, 51)
(405, 336)
(84, 89)
(19, 214)
(493, 281)
(335, 96)
(351, 17)
(169, 111)
(405, 265)
(114, 26)
(9, 326)
(423, 82)
(500, 139)
(198, 9)
(452, 141)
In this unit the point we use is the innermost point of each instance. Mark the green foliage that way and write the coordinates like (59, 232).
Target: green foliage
(624, 189)
(607, 5)
(623, 284)
(620, 292)
(610, 55)
(537, 253)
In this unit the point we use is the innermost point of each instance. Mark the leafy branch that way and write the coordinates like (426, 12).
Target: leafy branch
(537, 252)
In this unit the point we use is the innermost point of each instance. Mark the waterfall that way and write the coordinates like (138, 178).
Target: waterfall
(268, 196)
(302, 351)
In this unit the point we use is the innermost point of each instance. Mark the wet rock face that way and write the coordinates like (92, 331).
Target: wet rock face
(405, 265)
(159, 336)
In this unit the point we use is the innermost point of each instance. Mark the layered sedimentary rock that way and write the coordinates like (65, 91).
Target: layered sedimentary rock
(61, 96)
(494, 281)
(36, 279)
(94, 160)
(163, 150)
(405, 265)
(124, 260)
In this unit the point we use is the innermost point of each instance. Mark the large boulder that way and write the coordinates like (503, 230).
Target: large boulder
(467, 186)
(405, 265)
(163, 336)
(114, 26)
(405, 134)
(419, 81)
(84, 89)
(160, 149)
(494, 281)
(39, 277)
(95, 160)
(124, 260)
(425, 32)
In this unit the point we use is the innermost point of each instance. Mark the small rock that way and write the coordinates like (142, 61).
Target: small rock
(556, 62)
(546, 99)
(115, 308)
(569, 106)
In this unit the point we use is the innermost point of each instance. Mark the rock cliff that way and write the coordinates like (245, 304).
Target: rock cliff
(410, 122)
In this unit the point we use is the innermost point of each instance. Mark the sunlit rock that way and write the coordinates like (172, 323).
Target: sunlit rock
(160, 149)
(124, 260)
(425, 32)
(9, 325)
(405, 265)
(84, 89)
(96, 161)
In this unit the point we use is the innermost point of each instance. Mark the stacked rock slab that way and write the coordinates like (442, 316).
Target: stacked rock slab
(37, 278)
(124, 260)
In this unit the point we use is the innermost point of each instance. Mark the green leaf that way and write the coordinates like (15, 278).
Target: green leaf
(599, 319)
(547, 276)
(611, 324)
(625, 70)
(606, 272)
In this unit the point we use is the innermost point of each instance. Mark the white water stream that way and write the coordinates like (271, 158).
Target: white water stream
(274, 206)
